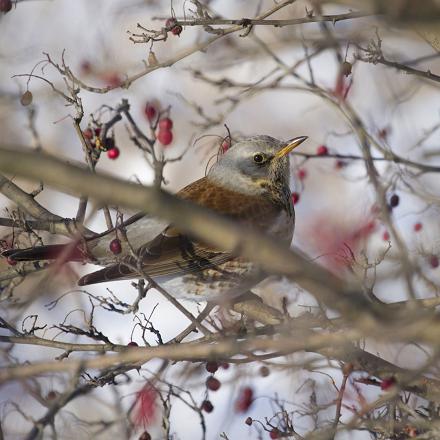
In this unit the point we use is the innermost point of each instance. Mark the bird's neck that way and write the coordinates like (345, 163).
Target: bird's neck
(231, 179)
(276, 188)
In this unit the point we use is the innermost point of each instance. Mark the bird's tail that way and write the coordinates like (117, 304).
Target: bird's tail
(66, 252)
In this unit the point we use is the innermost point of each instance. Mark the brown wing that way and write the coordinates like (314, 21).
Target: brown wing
(174, 253)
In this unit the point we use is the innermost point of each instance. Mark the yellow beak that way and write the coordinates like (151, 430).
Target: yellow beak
(290, 146)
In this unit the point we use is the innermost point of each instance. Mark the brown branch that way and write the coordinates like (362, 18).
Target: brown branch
(46, 220)
(219, 232)
(200, 47)
(245, 22)
(402, 67)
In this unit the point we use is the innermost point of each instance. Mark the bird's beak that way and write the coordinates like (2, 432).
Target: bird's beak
(293, 143)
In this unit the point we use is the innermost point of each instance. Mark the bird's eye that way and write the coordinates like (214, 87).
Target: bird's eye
(258, 158)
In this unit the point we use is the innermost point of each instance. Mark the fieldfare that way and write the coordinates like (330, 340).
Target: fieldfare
(248, 184)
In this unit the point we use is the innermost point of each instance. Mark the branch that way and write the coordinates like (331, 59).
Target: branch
(220, 232)
(46, 220)
(200, 47)
(245, 22)
(410, 70)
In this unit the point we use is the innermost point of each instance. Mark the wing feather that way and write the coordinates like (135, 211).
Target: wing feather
(173, 253)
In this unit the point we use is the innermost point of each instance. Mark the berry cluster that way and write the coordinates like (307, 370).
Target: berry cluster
(93, 138)
(164, 125)
(165, 135)
(212, 383)
(172, 26)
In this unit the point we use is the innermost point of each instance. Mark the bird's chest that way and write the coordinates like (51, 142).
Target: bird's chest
(225, 280)
(283, 226)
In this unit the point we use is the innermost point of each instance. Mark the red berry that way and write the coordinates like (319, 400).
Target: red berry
(113, 153)
(248, 421)
(150, 112)
(433, 261)
(165, 137)
(244, 400)
(226, 144)
(88, 133)
(212, 383)
(387, 383)
(295, 198)
(322, 150)
(224, 365)
(115, 246)
(170, 23)
(207, 406)
(5, 5)
(394, 200)
(386, 236)
(418, 227)
(177, 30)
(383, 133)
(339, 164)
(211, 367)
(97, 131)
(165, 124)
(132, 344)
(113, 80)
(11, 261)
(302, 173)
(86, 67)
(274, 433)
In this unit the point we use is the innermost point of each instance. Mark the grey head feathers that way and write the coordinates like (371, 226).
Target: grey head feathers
(251, 166)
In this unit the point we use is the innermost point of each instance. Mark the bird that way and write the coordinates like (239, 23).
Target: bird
(249, 184)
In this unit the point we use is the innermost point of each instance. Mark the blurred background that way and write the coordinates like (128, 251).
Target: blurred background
(337, 218)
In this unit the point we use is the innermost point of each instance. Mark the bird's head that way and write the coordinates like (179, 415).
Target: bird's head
(254, 164)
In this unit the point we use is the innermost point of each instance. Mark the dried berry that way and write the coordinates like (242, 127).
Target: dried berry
(115, 246)
(207, 406)
(394, 200)
(88, 133)
(26, 98)
(150, 111)
(212, 383)
(177, 30)
(11, 261)
(275, 433)
(211, 367)
(264, 371)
